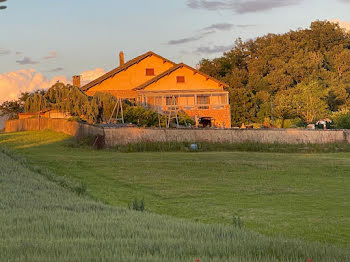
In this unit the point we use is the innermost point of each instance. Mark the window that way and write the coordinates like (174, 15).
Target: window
(223, 99)
(203, 100)
(149, 71)
(171, 100)
(180, 79)
(187, 100)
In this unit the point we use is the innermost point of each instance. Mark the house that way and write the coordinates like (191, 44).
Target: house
(154, 81)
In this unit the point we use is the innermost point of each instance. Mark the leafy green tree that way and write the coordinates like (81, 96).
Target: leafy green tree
(35, 103)
(275, 64)
(283, 106)
(103, 105)
(11, 109)
(341, 119)
(337, 98)
(15, 107)
(309, 101)
(264, 105)
(243, 106)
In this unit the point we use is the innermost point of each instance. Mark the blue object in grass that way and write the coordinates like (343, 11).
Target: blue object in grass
(194, 147)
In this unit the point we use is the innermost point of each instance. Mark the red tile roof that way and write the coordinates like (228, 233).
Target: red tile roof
(121, 68)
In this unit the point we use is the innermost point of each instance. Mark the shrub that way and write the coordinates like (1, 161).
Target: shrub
(75, 119)
(185, 120)
(138, 205)
(341, 119)
(80, 189)
(298, 123)
(141, 116)
(237, 222)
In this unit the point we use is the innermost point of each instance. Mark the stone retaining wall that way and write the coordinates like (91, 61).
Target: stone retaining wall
(121, 136)
(115, 136)
(58, 125)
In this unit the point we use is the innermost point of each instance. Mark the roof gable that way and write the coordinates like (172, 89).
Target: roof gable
(175, 68)
(119, 69)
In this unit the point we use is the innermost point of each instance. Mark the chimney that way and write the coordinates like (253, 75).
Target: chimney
(76, 81)
(121, 58)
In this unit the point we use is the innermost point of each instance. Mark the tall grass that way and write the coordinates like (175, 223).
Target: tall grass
(43, 221)
(294, 195)
(240, 147)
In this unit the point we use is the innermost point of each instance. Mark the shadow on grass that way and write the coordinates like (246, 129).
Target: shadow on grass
(11, 144)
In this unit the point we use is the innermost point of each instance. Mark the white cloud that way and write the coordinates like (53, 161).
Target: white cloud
(90, 75)
(25, 80)
(241, 6)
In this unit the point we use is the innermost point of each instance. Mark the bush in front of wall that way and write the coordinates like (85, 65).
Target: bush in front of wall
(141, 116)
(341, 119)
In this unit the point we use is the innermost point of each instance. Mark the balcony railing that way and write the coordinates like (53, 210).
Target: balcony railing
(187, 107)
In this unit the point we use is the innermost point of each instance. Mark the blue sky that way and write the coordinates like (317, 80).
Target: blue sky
(66, 37)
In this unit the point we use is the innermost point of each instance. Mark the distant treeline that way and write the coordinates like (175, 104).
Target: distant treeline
(290, 79)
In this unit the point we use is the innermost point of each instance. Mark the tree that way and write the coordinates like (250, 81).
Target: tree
(309, 101)
(243, 106)
(67, 98)
(283, 106)
(15, 107)
(64, 98)
(275, 64)
(11, 109)
(96, 109)
(35, 103)
(103, 105)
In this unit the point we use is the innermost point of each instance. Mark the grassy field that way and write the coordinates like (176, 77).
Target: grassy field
(303, 196)
(43, 221)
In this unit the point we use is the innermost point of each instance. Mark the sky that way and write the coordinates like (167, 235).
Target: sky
(43, 41)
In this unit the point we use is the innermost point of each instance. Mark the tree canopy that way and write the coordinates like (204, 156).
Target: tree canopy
(301, 74)
(11, 109)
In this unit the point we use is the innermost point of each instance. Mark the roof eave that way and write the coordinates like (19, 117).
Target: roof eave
(117, 70)
(155, 79)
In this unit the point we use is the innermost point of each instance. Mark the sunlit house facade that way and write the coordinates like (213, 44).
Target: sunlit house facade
(154, 81)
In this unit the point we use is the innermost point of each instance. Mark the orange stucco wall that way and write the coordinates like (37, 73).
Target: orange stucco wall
(132, 77)
(221, 117)
(195, 85)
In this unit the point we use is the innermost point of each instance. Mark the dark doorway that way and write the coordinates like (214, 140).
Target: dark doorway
(205, 121)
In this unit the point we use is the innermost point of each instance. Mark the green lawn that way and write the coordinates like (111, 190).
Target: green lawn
(42, 221)
(302, 196)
